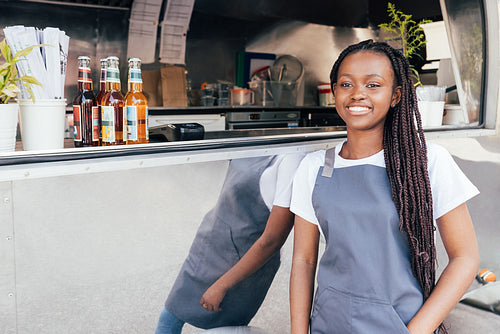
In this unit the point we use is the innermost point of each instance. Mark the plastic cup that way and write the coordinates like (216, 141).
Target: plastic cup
(208, 101)
(42, 123)
(241, 97)
(262, 92)
(453, 115)
(431, 113)
(430, 93)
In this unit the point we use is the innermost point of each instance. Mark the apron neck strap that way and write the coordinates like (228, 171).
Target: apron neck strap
(329, 162)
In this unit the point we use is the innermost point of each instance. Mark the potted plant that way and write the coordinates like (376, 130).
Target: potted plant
(411, 38)
(10, 84)
(407, 32)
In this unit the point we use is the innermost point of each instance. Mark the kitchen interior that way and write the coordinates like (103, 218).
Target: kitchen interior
(249, 68)
(100, 236)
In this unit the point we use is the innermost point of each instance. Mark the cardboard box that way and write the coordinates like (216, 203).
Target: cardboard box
(173, 83)
(152, 87)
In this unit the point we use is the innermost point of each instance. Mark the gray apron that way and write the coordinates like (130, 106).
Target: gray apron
(365, 281)
(224, 236)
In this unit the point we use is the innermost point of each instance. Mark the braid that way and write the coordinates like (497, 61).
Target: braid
(405, 154)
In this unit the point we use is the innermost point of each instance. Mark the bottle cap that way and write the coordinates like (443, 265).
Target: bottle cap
(84, 61)
(113, 62)
(134, 63)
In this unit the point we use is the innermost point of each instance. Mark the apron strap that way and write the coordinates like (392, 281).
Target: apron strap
(329, 162)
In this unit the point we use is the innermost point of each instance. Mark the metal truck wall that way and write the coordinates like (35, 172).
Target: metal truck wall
(99, 252)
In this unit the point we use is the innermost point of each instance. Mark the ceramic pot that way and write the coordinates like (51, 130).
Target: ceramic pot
(8, 126)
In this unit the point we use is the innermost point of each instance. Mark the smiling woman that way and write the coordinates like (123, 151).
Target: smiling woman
(374, 191)
(365, 90)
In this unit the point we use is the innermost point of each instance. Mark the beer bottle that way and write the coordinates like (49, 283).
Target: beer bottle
(85, 110)
(136, 105)
(113, 117)
(100, 95)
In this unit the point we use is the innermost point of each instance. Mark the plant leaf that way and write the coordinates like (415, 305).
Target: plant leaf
(403, 26)
(10, 90)
(26, 51)
(30, 91)
(4, 48)
(4, 66)
(10, 83)
(31, 80)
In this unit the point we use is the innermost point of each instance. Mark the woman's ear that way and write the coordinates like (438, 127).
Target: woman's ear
(396, 95)
(334, 87)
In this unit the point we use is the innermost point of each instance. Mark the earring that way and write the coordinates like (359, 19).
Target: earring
(393, 105)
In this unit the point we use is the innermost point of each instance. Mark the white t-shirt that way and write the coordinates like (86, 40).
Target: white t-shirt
(276, 181)
(449, 185)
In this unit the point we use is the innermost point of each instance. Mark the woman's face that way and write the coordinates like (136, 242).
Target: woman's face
(365, 90)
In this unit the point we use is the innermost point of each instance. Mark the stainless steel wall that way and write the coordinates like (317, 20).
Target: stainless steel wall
(98, 253)
(316, 46)
(94, 32)
(212, 41)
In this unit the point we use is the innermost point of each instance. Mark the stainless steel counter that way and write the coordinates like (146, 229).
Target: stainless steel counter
(271, 132)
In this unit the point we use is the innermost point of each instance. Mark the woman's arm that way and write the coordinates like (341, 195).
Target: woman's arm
(459, 240)
(305, 257)
(278, 227)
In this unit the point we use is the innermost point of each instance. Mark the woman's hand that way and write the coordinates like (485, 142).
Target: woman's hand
(212, 298)
(459, 240)
(279, 225)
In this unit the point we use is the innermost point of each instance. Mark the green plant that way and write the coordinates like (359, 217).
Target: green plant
(9, 79)
(408, 31)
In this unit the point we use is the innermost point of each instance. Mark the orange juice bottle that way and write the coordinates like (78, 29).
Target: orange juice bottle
(114, 119)
(101, 93)
(136, 105)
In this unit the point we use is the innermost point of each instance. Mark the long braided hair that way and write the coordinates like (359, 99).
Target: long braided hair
(405, 154)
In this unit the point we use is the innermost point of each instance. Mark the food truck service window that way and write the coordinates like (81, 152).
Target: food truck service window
(281, 61)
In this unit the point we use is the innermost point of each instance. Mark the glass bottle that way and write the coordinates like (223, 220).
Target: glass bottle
(85, 110)
(136, 105)
(101, 93)
(113, 117)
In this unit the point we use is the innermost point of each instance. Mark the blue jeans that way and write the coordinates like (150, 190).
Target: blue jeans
(168, 323)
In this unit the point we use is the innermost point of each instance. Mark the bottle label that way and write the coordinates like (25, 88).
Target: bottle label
(95, 123)
(99, 111)
(77, 123)
(108, 124)
(84, 74)
(132, 123)
(103, 75)
(124, 125)
(113, 75)
(134, 75)
(147, 123)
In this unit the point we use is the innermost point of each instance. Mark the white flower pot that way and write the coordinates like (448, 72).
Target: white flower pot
(8, 126)
(42, 123)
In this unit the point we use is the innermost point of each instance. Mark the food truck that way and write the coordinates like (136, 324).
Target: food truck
(92, 237)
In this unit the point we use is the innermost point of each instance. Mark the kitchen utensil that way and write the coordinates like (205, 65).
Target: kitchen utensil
(262, 92)
(286, 68)
(241, 97)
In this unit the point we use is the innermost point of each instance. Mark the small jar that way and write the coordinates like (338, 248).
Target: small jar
(325, 95)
